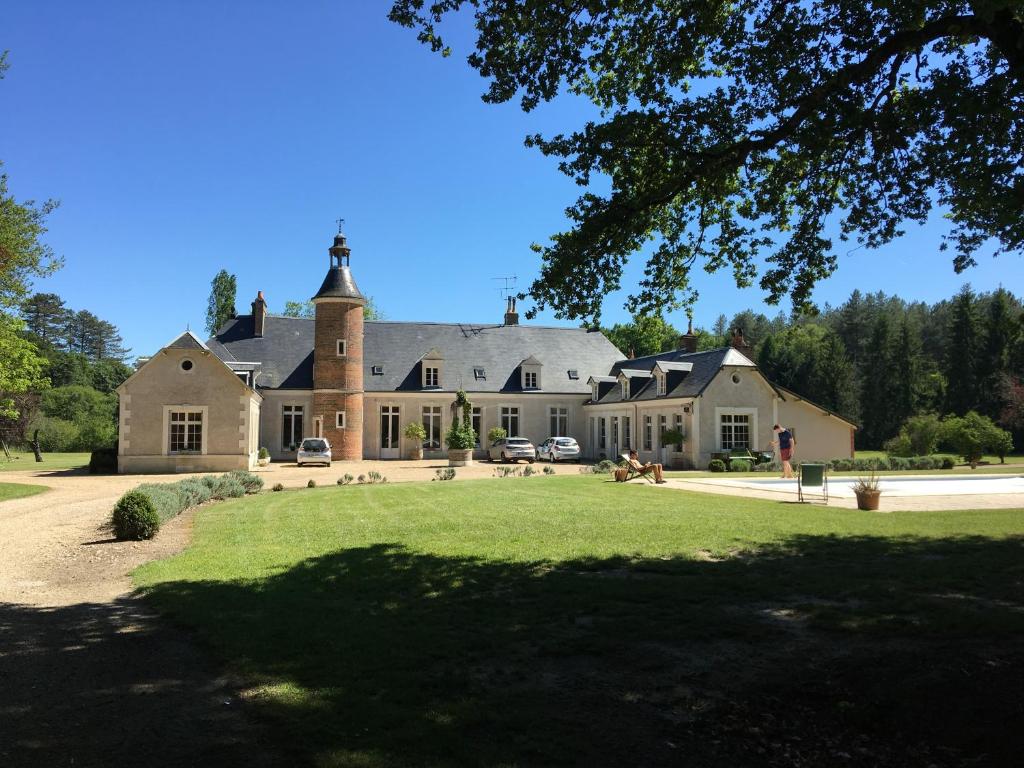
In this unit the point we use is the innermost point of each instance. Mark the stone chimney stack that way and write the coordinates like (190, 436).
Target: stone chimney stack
(511, 315)
(259, 314)
(688, 341)
(739, 343)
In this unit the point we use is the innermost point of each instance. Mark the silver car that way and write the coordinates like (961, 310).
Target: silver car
(559, 449)
(513, 449)
(314, 450)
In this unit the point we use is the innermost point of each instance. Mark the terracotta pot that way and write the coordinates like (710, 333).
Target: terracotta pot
(460, 457)
(867, 499)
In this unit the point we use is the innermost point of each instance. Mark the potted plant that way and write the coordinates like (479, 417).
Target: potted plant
(415, 432)
(494, 434)
(461, 437)
(867, 491)
(263, 458)
(670, 437)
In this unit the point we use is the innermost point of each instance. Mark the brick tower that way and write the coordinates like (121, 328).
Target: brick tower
(338, 356)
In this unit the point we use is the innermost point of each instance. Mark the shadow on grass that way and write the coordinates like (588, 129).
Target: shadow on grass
(820, 651)
(104, 684)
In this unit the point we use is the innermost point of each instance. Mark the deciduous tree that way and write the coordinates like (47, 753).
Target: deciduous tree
(728, 133)
(221, 305)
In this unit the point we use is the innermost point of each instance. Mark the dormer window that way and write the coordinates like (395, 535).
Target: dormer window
(662, 389)
(431, 376)
(479, 373)
(529, 379)
(625, 389)
(530, 368)
(593, 391)
(342, 348)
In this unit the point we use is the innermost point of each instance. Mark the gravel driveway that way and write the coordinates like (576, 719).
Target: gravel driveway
(89, 675)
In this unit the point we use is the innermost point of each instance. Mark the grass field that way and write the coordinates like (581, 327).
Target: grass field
(19, 490)
(25, 460)
(570, 620)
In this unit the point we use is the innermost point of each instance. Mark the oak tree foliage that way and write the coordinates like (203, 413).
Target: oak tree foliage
(734, 134)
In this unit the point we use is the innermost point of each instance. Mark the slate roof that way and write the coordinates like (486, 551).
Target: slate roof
(339, 284)
(285, 352)
(679, 383)
(187, 340)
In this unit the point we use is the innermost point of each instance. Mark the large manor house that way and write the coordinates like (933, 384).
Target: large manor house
(269, 381)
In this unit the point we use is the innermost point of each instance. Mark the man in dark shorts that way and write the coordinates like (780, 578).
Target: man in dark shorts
(644, 469)
(787, 444)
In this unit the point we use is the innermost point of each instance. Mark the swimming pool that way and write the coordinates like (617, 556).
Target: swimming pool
(893, 485)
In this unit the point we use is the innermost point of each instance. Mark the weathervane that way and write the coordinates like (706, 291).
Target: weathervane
(341, 223)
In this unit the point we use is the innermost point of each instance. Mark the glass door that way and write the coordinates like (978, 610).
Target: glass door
(390, 437)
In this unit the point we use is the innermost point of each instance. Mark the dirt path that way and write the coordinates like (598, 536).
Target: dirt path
(90, 675)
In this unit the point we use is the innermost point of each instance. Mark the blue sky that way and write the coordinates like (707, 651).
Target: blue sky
(186, 137)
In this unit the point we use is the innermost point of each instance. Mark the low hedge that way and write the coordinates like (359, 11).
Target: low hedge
(716, 465)
(140, 512)
(894, 463)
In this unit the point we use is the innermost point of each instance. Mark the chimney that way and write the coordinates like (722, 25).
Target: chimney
(511, 316)
(259, 314)
(739, 343)
(688, 341)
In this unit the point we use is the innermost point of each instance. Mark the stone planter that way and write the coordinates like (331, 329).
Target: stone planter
(460, 457)
(868, 499)
(263, 461)
(415, 454)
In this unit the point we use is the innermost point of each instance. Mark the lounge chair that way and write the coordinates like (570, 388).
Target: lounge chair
(633, 473)
(813, 476)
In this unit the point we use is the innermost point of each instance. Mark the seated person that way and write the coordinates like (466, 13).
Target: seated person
(644, 469)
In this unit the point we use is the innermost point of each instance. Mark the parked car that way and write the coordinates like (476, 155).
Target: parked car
(513, 449)
(314, 450)
(559, 449)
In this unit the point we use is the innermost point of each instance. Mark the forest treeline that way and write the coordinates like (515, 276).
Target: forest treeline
(879, 359)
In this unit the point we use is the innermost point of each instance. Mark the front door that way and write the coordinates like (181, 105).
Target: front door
(390, 438)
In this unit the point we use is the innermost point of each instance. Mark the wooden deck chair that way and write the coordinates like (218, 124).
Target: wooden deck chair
(632, 472)
(813, 476)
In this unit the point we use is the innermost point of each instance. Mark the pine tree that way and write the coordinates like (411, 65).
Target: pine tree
(221, 306)
(877, 414)
(994, 362)
(45, 317)
(962, 351)
(906, 371)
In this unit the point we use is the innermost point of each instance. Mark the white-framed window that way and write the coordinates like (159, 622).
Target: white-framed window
(477, 417)
(602, 434)
(593, 391)
(432, 426)
(431, 376)
(735, 431)
(559, 418)
(625, 389)
(627, 428)
(648, 433)
(662, 426)
(529, 380)
(339, 419)
(185, 431)
(615, 432)
(679, 426)
(291, 426)
(662, 387)
(342, 348)
(510, 420)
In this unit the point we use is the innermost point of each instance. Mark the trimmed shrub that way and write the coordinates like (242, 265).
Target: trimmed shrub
(448, 473)
(345, 479)
(528, 470)
(924, 462)
(103, 461)
(250, 482)
(134, 517)
(603, 467)
(549, 470)
(263, 454)
(193, 492)
(165, 497)
(899, 463)
(277, 487)
(898, 446)
(738, 465)
(716, 465)
(312, 483)
(947, 462)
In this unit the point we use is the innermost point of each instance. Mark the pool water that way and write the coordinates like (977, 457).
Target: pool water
(895, 485)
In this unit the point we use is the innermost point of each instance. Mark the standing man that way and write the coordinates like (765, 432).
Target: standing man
(787, 444)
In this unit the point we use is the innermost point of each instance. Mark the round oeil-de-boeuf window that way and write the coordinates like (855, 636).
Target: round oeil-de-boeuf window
(186, 365)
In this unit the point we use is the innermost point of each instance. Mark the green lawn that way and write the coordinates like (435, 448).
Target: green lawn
(1016, 458)
(19, 490)
(26, 460)
(571, 620)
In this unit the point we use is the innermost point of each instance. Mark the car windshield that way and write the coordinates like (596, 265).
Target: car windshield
(565, 441)
(518, 441)
(314, 445)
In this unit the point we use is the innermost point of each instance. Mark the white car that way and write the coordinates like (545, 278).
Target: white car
(559, 449)
(512, 449)
(314, 450)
